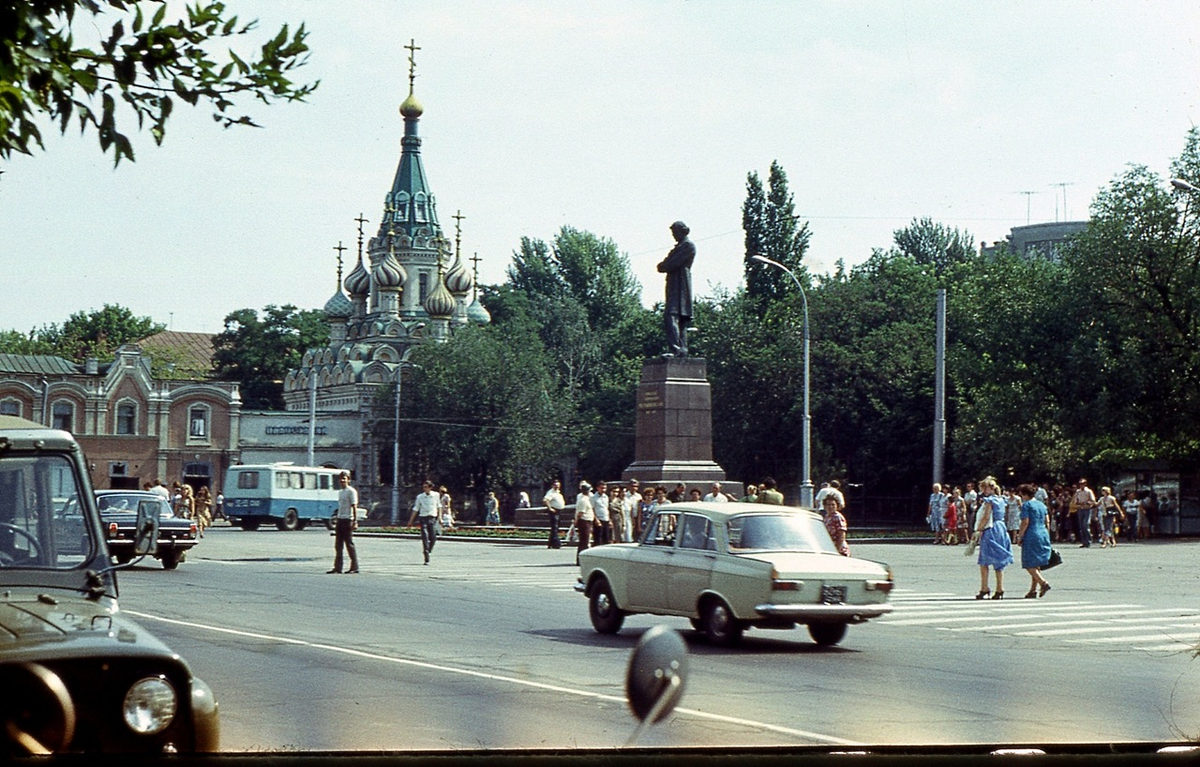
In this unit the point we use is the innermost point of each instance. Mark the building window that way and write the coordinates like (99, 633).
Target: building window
(423, 281)
(198, 422)
(10, 407)
(118, 469)
(63, 416)
(126, 418)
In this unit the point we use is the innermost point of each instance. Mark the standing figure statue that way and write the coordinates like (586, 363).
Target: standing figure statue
(677, 314)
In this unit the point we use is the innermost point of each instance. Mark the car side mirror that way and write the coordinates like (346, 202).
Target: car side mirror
(145, 539)
(654, 682)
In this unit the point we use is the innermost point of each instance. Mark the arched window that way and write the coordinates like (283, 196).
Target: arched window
(199, 417)
(10, 407)
(62, 415)
(126, 418)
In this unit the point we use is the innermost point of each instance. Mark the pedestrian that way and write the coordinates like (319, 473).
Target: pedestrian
(602, 522)
(1146, 515)
(995, 547)
(1012, 512)
(716, 495)
(446, 512)
(618, 515)
(219, 512)
(492, 507)
(936, 511)
(426, 508)
(751, 495)
(554, 501)
(185, 506)
(768, 494)
(347, 521)
(967, 520)
(584, 516)
(1034, 539)
(203, 511)
(161, 490)
(1110, 512)
(962, 513)
(835, 523)
(694, 495)
(679, 494)
(1085, 501)
(950, 521)
(1131, 516)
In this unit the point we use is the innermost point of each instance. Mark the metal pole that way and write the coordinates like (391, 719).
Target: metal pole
(806, 484)
(312, 415)
(939, 391)
(396, 451)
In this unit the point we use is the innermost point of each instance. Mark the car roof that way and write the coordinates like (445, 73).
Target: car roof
(22, 433)
(111, 491)
(722, 511)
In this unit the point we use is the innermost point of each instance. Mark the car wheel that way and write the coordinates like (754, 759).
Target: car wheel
(720, 624)
(602, 607)
(170, 559)
(827, 634)
(290, 520)
(250, 524)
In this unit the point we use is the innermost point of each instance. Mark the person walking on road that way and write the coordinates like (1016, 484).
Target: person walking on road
(995, 547)
(1110, 511)
(426, 507)
(1085, 501)
(584, 516)
(1034, 539)
(347, 521)
(768, 494)
(835, 523)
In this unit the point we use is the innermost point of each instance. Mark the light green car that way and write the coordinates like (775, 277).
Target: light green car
(731, 566)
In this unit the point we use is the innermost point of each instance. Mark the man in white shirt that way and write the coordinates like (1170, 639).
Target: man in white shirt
(633, 495)
(584, 516)
(347, 521)
(602, 526)
(554, 505)
(425, 510)
(716, 494)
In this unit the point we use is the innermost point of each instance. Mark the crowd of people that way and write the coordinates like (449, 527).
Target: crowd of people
(189, 503)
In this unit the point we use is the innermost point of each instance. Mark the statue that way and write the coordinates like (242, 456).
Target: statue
(677, 313)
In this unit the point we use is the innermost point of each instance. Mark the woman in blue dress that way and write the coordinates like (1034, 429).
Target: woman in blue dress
(995, 547)
(1034, 538)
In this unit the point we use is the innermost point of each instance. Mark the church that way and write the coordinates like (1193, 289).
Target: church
(412, 287)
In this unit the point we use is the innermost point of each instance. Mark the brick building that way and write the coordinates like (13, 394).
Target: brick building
(132, 427)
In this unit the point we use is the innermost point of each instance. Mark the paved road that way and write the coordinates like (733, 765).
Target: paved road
(490, 647)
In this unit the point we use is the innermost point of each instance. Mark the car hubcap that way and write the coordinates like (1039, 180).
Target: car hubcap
(603, 605)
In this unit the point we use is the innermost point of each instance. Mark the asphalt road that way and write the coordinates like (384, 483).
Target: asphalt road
(490, 647)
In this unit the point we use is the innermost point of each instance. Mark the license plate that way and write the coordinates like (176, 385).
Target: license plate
(833, 595)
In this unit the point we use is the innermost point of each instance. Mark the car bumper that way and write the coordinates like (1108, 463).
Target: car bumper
(811, 612)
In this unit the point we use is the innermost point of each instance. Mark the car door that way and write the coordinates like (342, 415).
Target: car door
(691, 569)
(650, 562)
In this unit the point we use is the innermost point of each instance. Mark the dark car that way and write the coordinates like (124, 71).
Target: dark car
(76, 674)
(118, 513)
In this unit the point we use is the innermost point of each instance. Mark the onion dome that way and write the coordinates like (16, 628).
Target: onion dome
(339, 307)
(478, 314)
(440, 304)
(458, 279)
(358, 282)
(388, 274)
(411, 108)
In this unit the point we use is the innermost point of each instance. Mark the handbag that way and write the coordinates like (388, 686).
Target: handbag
(1055, 560)
(972, 545)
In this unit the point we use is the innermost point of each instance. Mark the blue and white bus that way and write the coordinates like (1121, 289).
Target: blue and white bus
(284, 494)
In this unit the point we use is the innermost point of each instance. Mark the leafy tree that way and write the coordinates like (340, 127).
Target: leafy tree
(769, 221)
(46, 73)
(258, 353)
(95, 333)
(929, 243)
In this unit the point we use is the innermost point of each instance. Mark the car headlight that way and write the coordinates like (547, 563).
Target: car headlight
(150, 705)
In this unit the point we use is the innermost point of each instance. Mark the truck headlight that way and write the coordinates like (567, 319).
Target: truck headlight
(150, 705)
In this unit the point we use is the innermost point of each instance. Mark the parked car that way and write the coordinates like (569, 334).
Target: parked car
(77, 675)
(118, 513)
(731, 566)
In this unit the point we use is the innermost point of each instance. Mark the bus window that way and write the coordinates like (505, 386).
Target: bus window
(324, 480)
(310, 481)
(297, 480)
(247, 480)
(281, 480)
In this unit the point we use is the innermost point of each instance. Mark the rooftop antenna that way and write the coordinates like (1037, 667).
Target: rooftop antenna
(1063, 185)
(1027, 196)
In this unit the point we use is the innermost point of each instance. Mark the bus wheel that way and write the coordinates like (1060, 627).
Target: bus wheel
(290, 521)
(329, 524)
(250, 524)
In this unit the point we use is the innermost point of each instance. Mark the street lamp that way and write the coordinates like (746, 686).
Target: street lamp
(806, 485)
(1185, 186)
(396, 430)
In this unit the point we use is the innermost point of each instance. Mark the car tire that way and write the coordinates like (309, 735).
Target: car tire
(827, 634)
(720, 625)
(606, 617)
(170, 559)
(290, 521)
(250, 525)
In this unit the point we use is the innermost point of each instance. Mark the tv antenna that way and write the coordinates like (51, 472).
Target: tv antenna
(1063, 185)
(1027, 196)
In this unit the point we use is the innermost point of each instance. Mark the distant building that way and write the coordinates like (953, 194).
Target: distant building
(1036, 240)
(132, 427)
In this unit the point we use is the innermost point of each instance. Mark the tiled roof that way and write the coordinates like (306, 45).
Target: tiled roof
(194, 351)
(37, 364)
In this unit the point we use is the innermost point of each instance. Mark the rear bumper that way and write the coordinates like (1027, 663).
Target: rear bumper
(820, 612)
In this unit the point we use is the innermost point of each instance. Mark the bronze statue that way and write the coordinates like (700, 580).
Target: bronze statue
(677, 314)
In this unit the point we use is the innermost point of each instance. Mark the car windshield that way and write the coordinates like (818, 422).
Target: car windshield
(41, 524)
(778, 532)
(128, 502)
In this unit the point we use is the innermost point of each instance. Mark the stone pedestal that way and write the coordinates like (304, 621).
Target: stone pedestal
(673, 441)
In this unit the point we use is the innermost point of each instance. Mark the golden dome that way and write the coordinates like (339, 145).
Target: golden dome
(411, 108)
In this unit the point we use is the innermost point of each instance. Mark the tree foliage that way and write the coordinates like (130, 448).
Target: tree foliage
(258, 352)
(95, 333)
(769, 222)
(142, 65)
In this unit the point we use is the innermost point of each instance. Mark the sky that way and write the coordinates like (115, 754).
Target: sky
(614, 117)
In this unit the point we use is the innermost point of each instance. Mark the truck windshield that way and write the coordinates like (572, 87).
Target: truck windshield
(42, 522)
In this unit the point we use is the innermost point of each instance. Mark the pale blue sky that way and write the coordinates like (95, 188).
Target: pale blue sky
(614, 117)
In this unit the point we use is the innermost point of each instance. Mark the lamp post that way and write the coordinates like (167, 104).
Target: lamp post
(806, 485)
(396, 432)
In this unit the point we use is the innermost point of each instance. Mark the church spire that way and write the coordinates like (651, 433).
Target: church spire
(414, 210)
